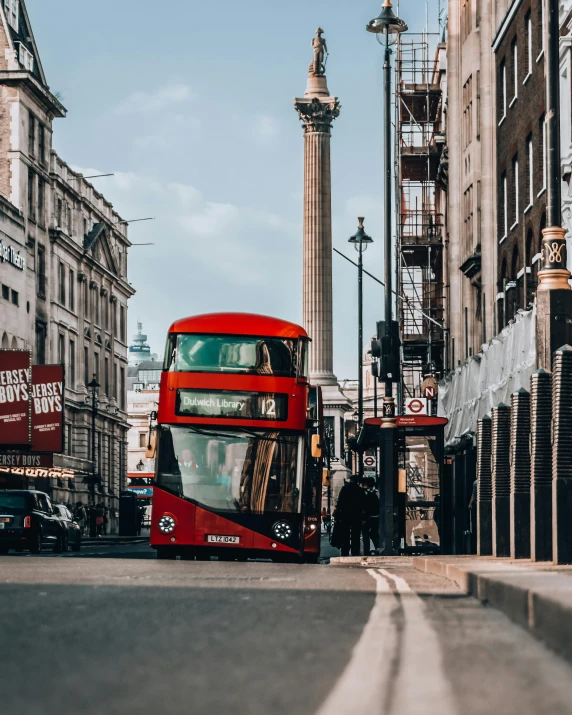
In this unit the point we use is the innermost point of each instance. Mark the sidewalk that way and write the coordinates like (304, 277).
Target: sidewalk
(536, 596)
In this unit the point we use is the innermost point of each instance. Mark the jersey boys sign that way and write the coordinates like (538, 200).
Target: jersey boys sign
(15, 392)
(232, 405)
(47, 408)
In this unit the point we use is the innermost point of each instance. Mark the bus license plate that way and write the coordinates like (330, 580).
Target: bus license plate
(216, 539)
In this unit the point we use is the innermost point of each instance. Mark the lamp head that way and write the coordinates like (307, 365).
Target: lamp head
(360, 236)
(386, 23)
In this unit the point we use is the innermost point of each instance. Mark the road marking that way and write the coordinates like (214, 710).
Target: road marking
(421, 677)
(362, 684)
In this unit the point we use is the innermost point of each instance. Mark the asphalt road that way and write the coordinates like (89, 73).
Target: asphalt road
(111, 636)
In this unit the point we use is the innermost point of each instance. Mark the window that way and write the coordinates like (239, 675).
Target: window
(85, 226)
(85, 365)
(15, 297)
(106, 376)
(41, 144)
(542, 135)
(71, 290)
(468, 112)
(62, 283)
(85, 299)
(142, 440)
(40, 343)
(466, 19)
(96, 365)
(96, 305)
(72, 364)
(31, 135)
(70, 220)
(503, 213)
(478, 118)
(69, 439)
(502, 91)
(122, 326)
(122, 388)
(105, 313)
(11, 8)
(5, 292)
(41, 201)
(514, 52)
(41, 271)
(26, 57)
(59, 212)
(515, 191)
(530, 169)
(61, 349)
(31, 192)
(528, 44)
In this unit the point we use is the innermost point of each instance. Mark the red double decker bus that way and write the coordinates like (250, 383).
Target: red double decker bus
(238, 463)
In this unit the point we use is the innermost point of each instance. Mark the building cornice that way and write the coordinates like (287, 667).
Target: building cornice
(505, 24)
(12, 77)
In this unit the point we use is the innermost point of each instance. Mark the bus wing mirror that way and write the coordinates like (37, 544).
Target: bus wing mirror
(151, 448)
(316, 446)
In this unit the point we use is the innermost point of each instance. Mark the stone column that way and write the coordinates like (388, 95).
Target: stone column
(484, 489)
(520, 475)
(562, 456)
(541, 466)
(500, 467)
(317, 110)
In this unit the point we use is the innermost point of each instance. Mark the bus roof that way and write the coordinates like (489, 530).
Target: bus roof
(238, 324)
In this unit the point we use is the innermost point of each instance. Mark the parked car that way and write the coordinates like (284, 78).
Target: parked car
(28, 521)
(72, 528)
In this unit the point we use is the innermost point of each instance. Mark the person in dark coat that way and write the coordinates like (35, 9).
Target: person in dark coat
(349, 515)
(370, 530)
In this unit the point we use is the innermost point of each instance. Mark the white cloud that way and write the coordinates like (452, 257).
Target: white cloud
(147, 102)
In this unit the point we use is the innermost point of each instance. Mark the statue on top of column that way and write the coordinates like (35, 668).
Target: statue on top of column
(318, 66)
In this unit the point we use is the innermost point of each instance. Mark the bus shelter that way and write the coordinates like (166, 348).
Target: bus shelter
(413, 483)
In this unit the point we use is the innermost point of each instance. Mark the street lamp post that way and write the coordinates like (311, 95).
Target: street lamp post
(94, 387)
(360, 241)
(386, 23)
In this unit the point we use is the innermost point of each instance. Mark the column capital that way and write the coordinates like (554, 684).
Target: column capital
(317, 114)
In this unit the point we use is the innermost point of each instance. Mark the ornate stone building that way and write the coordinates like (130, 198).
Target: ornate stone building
(64, 273)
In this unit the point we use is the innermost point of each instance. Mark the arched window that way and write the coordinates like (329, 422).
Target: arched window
(5, 342)
(14, 344)
(502, 302)
(513, 288)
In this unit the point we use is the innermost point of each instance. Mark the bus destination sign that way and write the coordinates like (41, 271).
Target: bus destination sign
(232, 405)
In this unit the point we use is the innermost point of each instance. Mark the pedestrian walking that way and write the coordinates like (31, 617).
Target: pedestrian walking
(349, 516)
(370, 527)
(80, 515)
(99, 518)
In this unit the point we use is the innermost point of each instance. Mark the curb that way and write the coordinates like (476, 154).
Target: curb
(367, 560)
(103, 541)
(538, 600)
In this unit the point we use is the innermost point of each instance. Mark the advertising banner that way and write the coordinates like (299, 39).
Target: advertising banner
(15, 395)
(13, 459)
(48, 408)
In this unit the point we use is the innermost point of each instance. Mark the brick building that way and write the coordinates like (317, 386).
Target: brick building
(520, 154)
(64, 289)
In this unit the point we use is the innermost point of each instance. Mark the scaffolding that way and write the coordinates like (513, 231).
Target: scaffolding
(420, 139)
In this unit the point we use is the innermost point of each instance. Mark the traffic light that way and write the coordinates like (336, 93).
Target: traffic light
(388, 347)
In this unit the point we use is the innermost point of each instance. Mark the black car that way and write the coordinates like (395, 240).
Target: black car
(29, 521)
(72, 528)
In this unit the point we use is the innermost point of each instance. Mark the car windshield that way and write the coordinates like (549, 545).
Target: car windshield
(231, 471)
(12, 503)
(231, 354)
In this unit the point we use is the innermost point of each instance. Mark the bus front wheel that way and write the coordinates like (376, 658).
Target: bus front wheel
(166, 552)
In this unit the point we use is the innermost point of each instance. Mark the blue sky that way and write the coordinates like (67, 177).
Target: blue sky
(190, 104)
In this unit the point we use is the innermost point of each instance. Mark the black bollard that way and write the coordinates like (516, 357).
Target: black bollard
(562, 456)
(500, 468)
(520, 475)
(484, 488)
(541, 466)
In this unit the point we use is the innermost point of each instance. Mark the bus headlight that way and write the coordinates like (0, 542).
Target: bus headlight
(282, 530)
(167, 524)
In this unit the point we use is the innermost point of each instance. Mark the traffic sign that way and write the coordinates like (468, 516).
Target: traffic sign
(369, 461)
(416, 406)
(430, 388)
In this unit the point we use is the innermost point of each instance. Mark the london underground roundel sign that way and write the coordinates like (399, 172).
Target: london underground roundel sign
(416, 406)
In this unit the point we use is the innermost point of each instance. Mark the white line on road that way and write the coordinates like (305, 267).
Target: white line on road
(421, 680)
(362, 684)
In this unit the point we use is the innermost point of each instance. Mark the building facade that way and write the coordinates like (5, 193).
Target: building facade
(520, 154)
(63, 272)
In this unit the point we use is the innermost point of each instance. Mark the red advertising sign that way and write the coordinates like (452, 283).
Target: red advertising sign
(15, 397)
(17, 460)
(47, 408)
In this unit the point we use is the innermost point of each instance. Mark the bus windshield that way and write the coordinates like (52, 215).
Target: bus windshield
(251, 472)
(232, 354)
